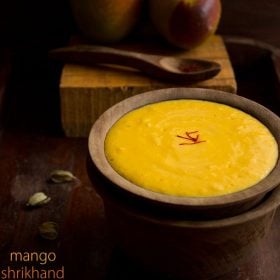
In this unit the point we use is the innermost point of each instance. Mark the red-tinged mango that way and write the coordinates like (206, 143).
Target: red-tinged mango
(185, 23)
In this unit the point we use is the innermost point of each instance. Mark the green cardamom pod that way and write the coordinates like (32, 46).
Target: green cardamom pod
(37, 199)
(48, 230)
(61, 176)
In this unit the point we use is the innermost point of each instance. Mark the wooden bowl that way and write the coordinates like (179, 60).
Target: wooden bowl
(184, 249)
(189, 207)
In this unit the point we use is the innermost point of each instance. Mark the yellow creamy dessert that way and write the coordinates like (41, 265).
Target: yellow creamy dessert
(191, 148)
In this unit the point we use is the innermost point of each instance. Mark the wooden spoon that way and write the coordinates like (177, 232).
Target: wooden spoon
(167, 68)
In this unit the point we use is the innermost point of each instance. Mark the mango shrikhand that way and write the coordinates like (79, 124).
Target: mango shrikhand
(191, 148)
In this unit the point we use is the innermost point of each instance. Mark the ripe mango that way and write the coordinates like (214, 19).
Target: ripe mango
(185, 23)
(106, 21)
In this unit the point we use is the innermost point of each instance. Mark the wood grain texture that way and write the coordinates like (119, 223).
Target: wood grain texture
(86, 92)
(85, 246)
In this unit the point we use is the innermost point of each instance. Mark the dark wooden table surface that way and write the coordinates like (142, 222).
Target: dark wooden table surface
(32, 145)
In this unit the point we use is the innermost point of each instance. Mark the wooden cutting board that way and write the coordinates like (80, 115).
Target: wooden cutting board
(87, 91)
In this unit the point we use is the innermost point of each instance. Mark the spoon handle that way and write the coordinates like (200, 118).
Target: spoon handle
(92, 54)
(149, 64)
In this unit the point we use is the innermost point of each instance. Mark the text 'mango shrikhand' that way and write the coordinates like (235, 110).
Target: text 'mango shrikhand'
(191, 148)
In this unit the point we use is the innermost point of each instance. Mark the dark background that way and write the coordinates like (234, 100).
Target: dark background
(49, 22)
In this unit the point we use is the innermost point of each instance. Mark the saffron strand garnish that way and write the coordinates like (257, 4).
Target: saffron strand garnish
(189, 137)
(183, 137)
(192, 143)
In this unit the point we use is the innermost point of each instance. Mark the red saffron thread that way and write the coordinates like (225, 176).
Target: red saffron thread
(189, 137)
